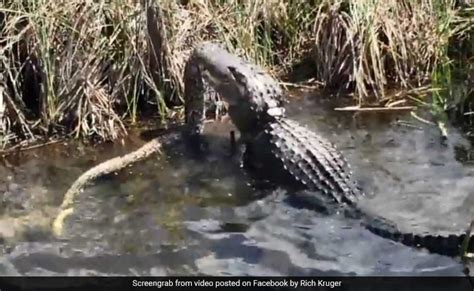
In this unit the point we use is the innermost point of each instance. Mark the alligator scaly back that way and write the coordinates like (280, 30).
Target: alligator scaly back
(283, 151)
(312, 160)
(293, 153)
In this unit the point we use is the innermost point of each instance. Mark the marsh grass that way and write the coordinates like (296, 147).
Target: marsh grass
(85, 68)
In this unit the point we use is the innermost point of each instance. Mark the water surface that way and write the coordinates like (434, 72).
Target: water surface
(182, 214)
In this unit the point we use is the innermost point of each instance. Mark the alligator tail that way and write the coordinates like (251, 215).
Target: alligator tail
(451, 245)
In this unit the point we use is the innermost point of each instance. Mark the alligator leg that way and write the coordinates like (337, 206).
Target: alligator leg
(237, 148)
(233, 143)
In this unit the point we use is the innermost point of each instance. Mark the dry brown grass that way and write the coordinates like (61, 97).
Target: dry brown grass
(377, 45)
(84, 67)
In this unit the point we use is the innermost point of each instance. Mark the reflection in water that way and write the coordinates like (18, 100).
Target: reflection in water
(200, 214)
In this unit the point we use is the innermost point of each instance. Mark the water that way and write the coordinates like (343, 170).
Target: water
(178, 214)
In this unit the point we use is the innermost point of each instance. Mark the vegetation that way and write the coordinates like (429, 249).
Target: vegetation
(84, 68)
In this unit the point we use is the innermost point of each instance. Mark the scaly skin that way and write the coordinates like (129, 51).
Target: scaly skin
(280, 149)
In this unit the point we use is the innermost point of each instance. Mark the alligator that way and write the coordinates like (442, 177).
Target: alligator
(283, 151)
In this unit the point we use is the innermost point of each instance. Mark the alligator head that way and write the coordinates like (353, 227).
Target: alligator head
(251, 94)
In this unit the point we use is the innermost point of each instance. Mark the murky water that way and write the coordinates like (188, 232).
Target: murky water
(182, 214)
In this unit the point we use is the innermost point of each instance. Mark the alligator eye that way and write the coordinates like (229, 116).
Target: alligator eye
(239, 77)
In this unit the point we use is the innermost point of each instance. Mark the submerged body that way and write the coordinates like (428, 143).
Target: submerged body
(283, 151)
